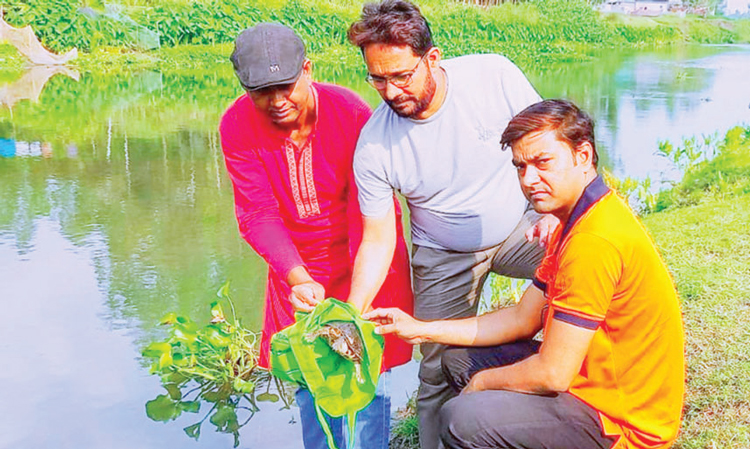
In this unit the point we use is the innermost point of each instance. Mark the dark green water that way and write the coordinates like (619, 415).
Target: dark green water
(115, 209)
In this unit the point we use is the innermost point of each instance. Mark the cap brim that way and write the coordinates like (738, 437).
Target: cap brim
(273, 83)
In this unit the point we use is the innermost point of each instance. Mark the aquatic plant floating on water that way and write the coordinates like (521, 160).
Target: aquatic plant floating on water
(215, 364)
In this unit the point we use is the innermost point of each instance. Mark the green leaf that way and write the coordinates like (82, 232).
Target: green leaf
(175, 378)
(193, 431)
(225, 419)
(243, 386)
(156, 349)
(165, 360)
(216, 337)
(179, 359)
(215, 396)
(190, 406)
(267, 397)
(170, 318)
(173, 391)
(223, 291)
(162, 409)
(183, 335)
(217, 313)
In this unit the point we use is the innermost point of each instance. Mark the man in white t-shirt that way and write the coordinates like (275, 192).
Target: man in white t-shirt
(435, 139)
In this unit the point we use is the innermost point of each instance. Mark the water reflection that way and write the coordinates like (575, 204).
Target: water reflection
(130, 215)
(641, 98)
(31, 84)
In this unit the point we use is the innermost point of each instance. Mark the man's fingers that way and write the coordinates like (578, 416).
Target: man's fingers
(301, 305)
(308, 294)
(378, 314)
(544, 237)
(385, 329)
(318, 294)
(530, 234)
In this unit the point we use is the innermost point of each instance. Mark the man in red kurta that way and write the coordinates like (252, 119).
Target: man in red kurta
(288, 146)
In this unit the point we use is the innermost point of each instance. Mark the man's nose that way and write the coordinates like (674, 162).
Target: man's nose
(277, 97)
(390, 91)
(529, 176)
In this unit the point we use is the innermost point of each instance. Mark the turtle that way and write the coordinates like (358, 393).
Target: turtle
(344, 338)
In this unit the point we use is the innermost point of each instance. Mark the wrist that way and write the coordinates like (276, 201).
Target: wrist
(359, 303)
(298, 275)
(429, 330)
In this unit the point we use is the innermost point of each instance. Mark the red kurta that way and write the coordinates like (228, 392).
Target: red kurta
(298, 206)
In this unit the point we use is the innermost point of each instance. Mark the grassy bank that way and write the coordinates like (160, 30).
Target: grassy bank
(528, 33)
(707, 247)
(704, 239)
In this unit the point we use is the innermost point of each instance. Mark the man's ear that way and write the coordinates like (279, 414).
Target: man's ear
(307, 68)
(584, 154)
(433, 57)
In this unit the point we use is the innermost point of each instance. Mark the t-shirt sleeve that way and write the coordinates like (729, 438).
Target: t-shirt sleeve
(588, 272)
(375, 193)
(518, 91)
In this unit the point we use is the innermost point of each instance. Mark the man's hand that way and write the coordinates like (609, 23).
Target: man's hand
(396, 321)
(475, 384)
(544, 228)
(306, 292)
(306, 296)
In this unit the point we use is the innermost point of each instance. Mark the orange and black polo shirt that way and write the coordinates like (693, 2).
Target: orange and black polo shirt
(602, 272)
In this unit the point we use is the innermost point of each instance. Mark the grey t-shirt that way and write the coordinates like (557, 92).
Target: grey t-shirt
(462, 190)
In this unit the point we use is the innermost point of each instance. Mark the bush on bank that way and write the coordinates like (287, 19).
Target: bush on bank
(722, 170)
(542, 27)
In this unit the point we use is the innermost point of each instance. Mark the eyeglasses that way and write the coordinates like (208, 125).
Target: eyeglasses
(400, 80)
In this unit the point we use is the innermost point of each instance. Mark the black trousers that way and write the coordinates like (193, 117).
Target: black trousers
(506, 419)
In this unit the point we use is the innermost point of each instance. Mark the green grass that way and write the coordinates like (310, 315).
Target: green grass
(405, 430)
(707, 247)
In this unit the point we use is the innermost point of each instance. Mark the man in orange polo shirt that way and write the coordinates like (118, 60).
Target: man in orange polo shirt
(610, 371)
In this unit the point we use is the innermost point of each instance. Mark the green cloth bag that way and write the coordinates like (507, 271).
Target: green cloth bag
(328, 376)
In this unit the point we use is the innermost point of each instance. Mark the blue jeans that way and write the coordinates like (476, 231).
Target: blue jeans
(373, 422)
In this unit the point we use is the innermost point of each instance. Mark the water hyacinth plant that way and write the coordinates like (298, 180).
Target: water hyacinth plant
(215, 364)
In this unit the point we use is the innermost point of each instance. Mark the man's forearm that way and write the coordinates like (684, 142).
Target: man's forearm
(370, 270)
(553, 369)
(531, 375)
(501, 326)
(374, 257)
(520, 321)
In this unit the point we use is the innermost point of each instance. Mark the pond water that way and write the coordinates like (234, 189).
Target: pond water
(115, 208)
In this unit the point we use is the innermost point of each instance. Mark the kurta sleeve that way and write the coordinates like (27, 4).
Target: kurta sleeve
(362, 113)
(256, 206)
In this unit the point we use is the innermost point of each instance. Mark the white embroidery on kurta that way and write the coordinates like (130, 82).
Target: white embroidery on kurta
(301, 179)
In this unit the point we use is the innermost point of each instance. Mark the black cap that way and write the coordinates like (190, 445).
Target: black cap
(266, 55)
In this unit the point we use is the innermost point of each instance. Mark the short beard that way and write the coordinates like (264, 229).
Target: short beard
(421, 104)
